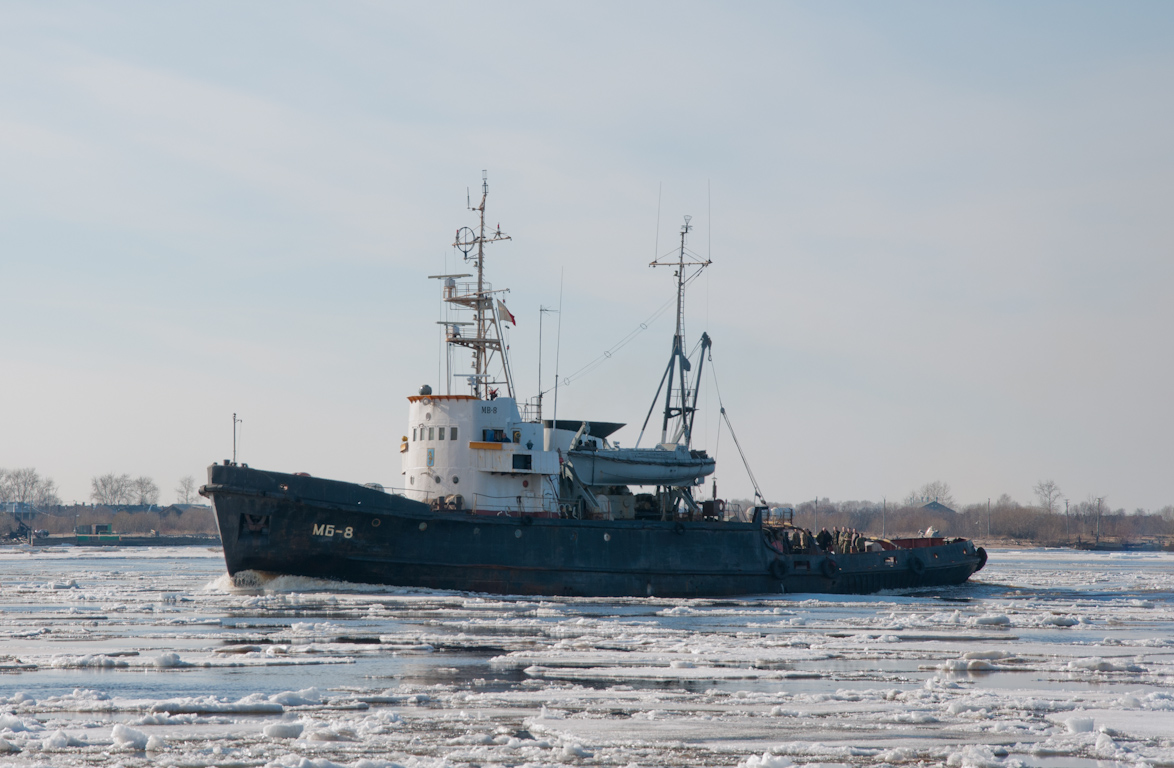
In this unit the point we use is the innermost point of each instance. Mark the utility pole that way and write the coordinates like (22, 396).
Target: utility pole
(988, 517)
(1067, 532)
(884, 509)
(816, 508)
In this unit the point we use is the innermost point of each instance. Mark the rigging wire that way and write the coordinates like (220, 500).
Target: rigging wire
(757, 491)
(753, 481)
(607, 354)
(589, 367)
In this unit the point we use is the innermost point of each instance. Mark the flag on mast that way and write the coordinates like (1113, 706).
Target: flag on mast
(504, 314)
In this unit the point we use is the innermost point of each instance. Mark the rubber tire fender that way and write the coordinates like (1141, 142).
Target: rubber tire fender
(981, 559)
(829, 568)
(778, 568)
(917, 565)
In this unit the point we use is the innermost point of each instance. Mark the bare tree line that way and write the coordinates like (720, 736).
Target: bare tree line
(935, 491)
(27, 486)
(112, 489)
(1053, 520)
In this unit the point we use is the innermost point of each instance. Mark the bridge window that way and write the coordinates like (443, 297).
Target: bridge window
(431, 433)
(453, 434)
(442, 433)
(523, 461)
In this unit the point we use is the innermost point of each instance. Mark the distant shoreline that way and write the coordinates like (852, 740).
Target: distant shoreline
(1162, 544)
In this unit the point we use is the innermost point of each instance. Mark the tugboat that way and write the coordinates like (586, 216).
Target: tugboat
(497, 499)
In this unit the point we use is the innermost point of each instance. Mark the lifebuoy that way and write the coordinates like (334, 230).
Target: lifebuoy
(981, 559)
(829, 568)
(778, 568)
(916, 564)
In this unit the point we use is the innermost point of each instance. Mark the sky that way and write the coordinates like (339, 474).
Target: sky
(940, 232)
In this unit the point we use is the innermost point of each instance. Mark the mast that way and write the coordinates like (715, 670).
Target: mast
(679, 365)
(479, 298)
(479, 356)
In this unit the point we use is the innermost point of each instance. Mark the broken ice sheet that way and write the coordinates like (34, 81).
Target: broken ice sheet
(152, 656)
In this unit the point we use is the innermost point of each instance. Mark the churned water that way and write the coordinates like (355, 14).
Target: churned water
(155, 657)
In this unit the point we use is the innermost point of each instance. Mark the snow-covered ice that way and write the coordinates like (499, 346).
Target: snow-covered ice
(136, 657)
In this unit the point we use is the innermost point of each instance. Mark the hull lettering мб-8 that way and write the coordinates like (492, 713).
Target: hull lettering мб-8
(497, 499)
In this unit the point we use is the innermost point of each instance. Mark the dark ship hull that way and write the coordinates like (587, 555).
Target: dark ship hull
(298, 525)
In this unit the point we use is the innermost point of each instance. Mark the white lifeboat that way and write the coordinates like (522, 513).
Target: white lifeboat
(669, 465)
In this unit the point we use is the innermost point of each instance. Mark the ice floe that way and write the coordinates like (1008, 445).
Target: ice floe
(134, 658)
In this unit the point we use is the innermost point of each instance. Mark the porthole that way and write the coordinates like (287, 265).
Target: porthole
(428, 417)
(476, 531)
(455, 479)
(518, 533)
(423, 526)
(607, 537)
(375, 522)
(412, 480)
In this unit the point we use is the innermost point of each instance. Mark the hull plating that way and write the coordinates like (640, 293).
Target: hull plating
(286, 524)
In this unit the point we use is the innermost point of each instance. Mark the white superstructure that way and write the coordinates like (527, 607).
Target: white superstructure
(477, 452)
(481, 451)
